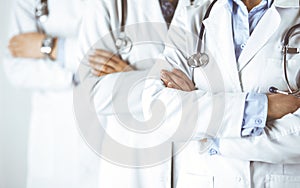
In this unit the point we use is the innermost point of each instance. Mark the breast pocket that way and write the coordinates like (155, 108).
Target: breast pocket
(282, 181)
(190, 180)
(274, 74)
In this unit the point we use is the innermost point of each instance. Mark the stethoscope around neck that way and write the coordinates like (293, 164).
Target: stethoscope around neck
(123, 42)
(201, 59)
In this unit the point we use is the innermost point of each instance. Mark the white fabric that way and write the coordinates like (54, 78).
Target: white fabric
(57, 155)
(147, 29)
(244, 162)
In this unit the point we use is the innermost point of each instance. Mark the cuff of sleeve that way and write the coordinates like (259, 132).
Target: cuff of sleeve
(75, 79)
(255, 114)
(214, 148)
(61, 51)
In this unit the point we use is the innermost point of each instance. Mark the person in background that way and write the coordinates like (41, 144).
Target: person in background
(43, 38)
(146, 24)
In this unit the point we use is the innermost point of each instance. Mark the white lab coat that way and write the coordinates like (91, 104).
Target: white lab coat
(56, 152)
(269, 160)
(147, 29)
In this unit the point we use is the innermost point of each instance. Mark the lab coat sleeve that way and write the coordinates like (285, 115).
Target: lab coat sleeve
(217, 115)
(207, 113)
(198, 112)
(97, 32)
(30, 73)
(278, 144)
(94, 33)
(95, 28)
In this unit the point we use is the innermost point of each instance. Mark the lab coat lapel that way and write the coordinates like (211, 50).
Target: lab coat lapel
(219, 29)
(260, 36)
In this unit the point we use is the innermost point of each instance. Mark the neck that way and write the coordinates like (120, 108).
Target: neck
(251, 3)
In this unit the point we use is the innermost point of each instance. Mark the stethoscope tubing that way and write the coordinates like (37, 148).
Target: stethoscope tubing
(287, 36)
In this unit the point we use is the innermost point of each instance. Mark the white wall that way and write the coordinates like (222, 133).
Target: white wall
(14, 115)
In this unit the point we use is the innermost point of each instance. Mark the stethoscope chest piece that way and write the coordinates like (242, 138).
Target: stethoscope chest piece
(198, 60)
(123, 43)
(41, 11)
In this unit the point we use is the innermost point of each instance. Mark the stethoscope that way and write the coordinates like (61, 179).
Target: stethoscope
(41, 14)
(201, 59)
(123, 42)
(286, 49)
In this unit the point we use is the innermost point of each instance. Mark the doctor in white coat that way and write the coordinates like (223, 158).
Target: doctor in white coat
(238, 156)
(147, 28)
(55, 150)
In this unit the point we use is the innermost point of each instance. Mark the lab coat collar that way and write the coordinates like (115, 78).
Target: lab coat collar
(230, 2)
(287, 3)
(278, 3)
(219, 28)
(197, 2)
(260, 36)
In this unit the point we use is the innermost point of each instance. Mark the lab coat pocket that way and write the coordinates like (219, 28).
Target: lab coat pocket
(274, 74)
(282, 181)
(190, 180)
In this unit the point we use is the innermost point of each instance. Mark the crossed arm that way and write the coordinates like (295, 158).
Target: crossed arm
(279, 105)
(275, 146)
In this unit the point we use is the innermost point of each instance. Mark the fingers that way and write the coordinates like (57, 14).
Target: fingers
(13, 46)
(182, 75)
(166, 77)
(108, 55)
(106, 62)
(97, 73)
(177, 80)
(15, 51)
(26, 45)
(99, 64)
(112, 60)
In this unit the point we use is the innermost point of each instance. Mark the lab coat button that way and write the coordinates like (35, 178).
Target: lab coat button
(238, 179)
(212, 151)
(243, 46)
(258, 121)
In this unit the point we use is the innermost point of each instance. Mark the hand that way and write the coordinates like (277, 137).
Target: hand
(280, 105)
(103, 63)
(28, 45)
(177, 80)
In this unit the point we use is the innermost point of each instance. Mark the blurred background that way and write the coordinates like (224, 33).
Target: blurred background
(14, 117)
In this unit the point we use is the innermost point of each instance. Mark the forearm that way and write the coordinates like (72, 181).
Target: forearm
(37, 74)
(33, 73)
(204, 114)
(278, 144)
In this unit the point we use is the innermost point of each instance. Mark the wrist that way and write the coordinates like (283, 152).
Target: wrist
(53, 54)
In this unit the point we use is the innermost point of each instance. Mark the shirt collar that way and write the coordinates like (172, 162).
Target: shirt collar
(230, 2)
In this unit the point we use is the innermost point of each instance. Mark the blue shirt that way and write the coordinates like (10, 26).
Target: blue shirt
(256, 104)
(61, 51)
(243, 24)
